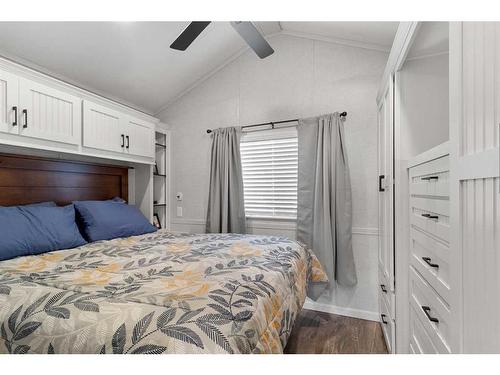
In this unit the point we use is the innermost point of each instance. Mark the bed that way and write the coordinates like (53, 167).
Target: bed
(155, 293)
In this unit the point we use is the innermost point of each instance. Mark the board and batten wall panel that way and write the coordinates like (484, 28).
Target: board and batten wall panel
(477, 165)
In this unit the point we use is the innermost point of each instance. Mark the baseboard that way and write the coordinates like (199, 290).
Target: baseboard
(344, 311)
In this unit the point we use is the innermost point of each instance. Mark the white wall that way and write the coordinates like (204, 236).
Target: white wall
(424, 110)
(302, 78)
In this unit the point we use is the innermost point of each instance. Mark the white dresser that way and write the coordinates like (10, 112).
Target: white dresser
(429, 252)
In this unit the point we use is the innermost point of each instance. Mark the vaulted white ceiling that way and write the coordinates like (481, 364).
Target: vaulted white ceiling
(131, 61)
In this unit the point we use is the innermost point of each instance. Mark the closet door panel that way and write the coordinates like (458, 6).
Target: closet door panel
(386, 196)
(481, 258)
(476, 184)
(140, 141)
(47, 113)
(9, 97)
(102, 128)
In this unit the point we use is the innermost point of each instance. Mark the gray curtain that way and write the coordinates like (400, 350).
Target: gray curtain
(324, 217)
(226, 208)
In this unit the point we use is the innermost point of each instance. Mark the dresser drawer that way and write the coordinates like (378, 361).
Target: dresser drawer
(431, 178)
(387, 324)
(420, 341)
(431, 259)
(431, 215)
(431, 311)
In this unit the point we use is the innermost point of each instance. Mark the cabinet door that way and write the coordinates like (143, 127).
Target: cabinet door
(9, 97)
(47, 113)
(102, 128)
(386, 187)
(475, 181)
(140, 138)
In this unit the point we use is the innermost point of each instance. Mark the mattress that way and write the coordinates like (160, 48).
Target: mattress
(157, 293)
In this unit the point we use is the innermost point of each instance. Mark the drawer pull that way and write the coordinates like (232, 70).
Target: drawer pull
(430, 178)
(14, 123)
(429, 216)
(382, 317)
(428, 261)
(382, 286)
(380, 178)
(427, 310)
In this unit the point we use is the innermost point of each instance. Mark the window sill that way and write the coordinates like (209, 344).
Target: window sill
(271, 218)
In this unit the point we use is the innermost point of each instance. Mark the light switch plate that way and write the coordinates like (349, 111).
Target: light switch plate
(179, 211)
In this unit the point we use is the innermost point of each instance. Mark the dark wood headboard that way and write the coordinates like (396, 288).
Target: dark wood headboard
(31, 179)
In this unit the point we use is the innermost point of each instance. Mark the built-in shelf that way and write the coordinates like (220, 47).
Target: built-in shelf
(160, 173)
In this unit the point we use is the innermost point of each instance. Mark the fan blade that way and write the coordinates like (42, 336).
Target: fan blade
(187, 37)
(253, 37)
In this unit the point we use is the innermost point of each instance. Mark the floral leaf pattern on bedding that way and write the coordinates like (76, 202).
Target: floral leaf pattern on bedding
(157, 293)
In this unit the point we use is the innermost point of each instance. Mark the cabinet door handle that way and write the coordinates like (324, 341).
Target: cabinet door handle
(429, 216)
(380, 178)
(429, 262)
(128, 141)
(427, 311)
(430, 178)
(25, 115)
(123, 140)
(382, 317)
(14, 123)
(382, 286)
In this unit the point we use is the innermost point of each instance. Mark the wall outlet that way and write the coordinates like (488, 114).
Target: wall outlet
(179, 211)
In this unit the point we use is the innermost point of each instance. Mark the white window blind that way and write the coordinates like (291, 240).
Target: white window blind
(269, 160)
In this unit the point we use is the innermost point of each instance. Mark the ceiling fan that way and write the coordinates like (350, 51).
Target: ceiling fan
(246, 29)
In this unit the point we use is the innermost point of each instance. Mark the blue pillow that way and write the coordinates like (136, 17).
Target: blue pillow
(41, 204)
(104, 220)
(30, 230)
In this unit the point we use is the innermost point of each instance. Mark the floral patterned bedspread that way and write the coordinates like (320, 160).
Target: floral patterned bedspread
(157, 293)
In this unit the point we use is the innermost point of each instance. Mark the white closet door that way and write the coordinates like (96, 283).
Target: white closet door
(140, 138)
(475, 182)
(47, 113)
(386, 186)
(9, 97)
(103, 128)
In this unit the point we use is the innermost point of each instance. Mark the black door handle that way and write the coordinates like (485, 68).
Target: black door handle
(14, 123)
(128, 141)
(25, 115)
(382, 317)
(427, 310)
(430, 178)
(380, 178)
(123, 140)
(429, 216)
(428, 261)
(382, 286)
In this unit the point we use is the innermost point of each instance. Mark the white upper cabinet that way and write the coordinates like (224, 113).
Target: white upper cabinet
(110, 130)
(102, 127)
(38, 113)
(47, 113)
(139, 137)
(9, 94)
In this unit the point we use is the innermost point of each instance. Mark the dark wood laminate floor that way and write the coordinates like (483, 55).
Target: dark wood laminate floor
(322, 333)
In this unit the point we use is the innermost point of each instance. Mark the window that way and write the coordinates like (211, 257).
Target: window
(269, 160)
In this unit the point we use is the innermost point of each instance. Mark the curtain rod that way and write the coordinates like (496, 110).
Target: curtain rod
(272, 123)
